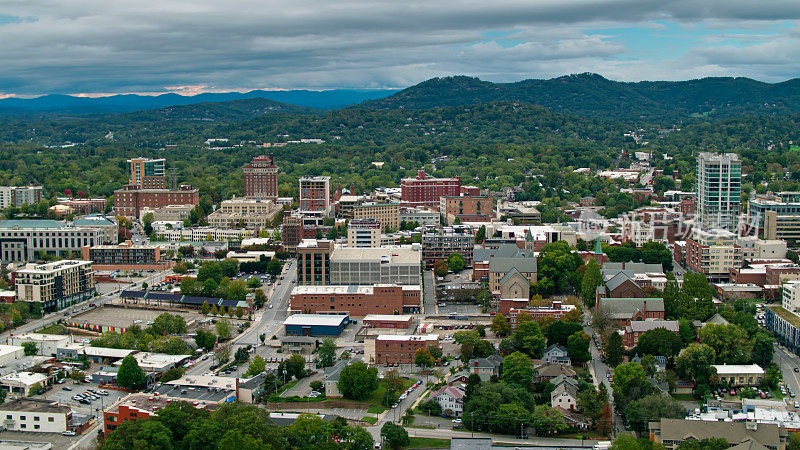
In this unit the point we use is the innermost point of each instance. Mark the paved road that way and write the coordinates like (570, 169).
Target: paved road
(396, 413)
(429, 293)
(600, 370)
(787, 361)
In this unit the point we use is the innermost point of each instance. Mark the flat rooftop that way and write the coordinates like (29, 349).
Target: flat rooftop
(35, 405)
(408, 337)
(329, 320)
(398, 254)
(388, 317)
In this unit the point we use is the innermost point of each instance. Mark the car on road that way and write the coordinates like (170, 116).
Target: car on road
(68, 433)
(67, 388)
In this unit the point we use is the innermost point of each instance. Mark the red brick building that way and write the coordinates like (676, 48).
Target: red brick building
(261, 178)
(400, 349)
(315, 195)
(133, 407)
(776, 274)
(556, 310)
(467, 208)
(387, 321)
(426, 191)
(358, 301)
(130, 200)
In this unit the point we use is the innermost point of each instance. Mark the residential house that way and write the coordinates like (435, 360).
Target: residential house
(739, 374)
(623, 311)
(639, 327)
(556, 354)
(485, 367)
(564, 396)
(450, 399)
(546, 372)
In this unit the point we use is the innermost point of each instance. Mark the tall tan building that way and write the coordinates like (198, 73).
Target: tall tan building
(387, 213)
(55, 285)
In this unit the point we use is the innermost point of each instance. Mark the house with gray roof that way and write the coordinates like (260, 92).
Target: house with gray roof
(555, 354)
(671, 432)
(639, 327)
(485, 367)
(564, 396)
(331, 378)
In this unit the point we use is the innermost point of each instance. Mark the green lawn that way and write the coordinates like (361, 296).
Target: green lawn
(53, 329)
(684, 397)
(376, 398)
(370, 419)
(376, 409)
(794, 148)
(421, 442)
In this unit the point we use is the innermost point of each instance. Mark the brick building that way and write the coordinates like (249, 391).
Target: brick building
(130, 200)
(438, 246)
(261, 178)
(357, 301)
(315, 195)
(425, 190)
(388, 214)
(623, 311)
(467, 208)
(400, 349)
(111, 257)
(388, 321)
(713, 253)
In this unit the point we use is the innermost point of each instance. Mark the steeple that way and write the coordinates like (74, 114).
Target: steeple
(598, 249)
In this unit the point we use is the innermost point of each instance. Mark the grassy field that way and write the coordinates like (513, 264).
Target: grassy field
(376, 398)
(794, 148)
(684, 397)
(421, 442)
(369, 419)
(53, 329)
(376, 409)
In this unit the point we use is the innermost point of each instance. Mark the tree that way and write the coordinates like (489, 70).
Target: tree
(148, 434)
(558, 332)
(592, 278)
(274, 267)
(357, 381)
(222, 354)
(423, 358)
(659, 342)
(687, 331)
(694, 362)
(730, 343)
(578, 347)
(517, 369)
(529, 339)
(630, 384)
(455, 262)
(591, 402)
(482, 349)
(327, 352)
(650, 409)
(205, 308)
(166, 324)
(480, 235)
(500, 325)
(205, 339)
(793, 443)
(763, 348)
(30, 348)
(557, 269)
(547, 421)
(649, 364)
(613, 349)
(223, 328)
(259, 299)
(130, 375)
(242, 354)
(172, 374)
(395, 435)
(296, 366)
(440, 268)
(256, 367)
(147, 221)
(436, 352)
(473, 383)
(431, 407)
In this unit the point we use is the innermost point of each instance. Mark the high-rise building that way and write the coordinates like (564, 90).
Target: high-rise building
(719, 187)
(315, 195)
(364, 233)
(425, 190)
(147, 173)
(55, 285)
(19, 196)
(261, 178)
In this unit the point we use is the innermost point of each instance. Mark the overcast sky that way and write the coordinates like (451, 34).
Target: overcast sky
(114, 46)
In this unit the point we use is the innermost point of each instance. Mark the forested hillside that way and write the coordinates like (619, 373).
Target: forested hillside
(588, 94)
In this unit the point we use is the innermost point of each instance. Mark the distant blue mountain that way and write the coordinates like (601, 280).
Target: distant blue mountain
(67, 104)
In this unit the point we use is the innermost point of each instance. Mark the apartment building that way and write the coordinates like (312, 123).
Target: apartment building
(169, 213)
(55, 285)
(261, 177)
(346, 204)
(364, 233)
(424, 190)
(314, 262)
(123, 256)
(147, 173)
(713, 253)
(19, 196)
(401, 349)
(321, 263)
(357, 301)
(388, 214)
(423, 216)
(718, 179)
(315, 195)
(467, 208)
(245, 213)
(439, 245)
(27, 240)
(130, 200)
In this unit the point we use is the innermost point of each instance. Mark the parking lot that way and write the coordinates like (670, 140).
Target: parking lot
(64, 393)
(125, 317)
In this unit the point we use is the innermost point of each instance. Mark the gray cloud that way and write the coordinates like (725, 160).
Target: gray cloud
(149, 45)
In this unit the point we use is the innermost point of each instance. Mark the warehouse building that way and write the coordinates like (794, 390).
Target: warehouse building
(315, 324)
